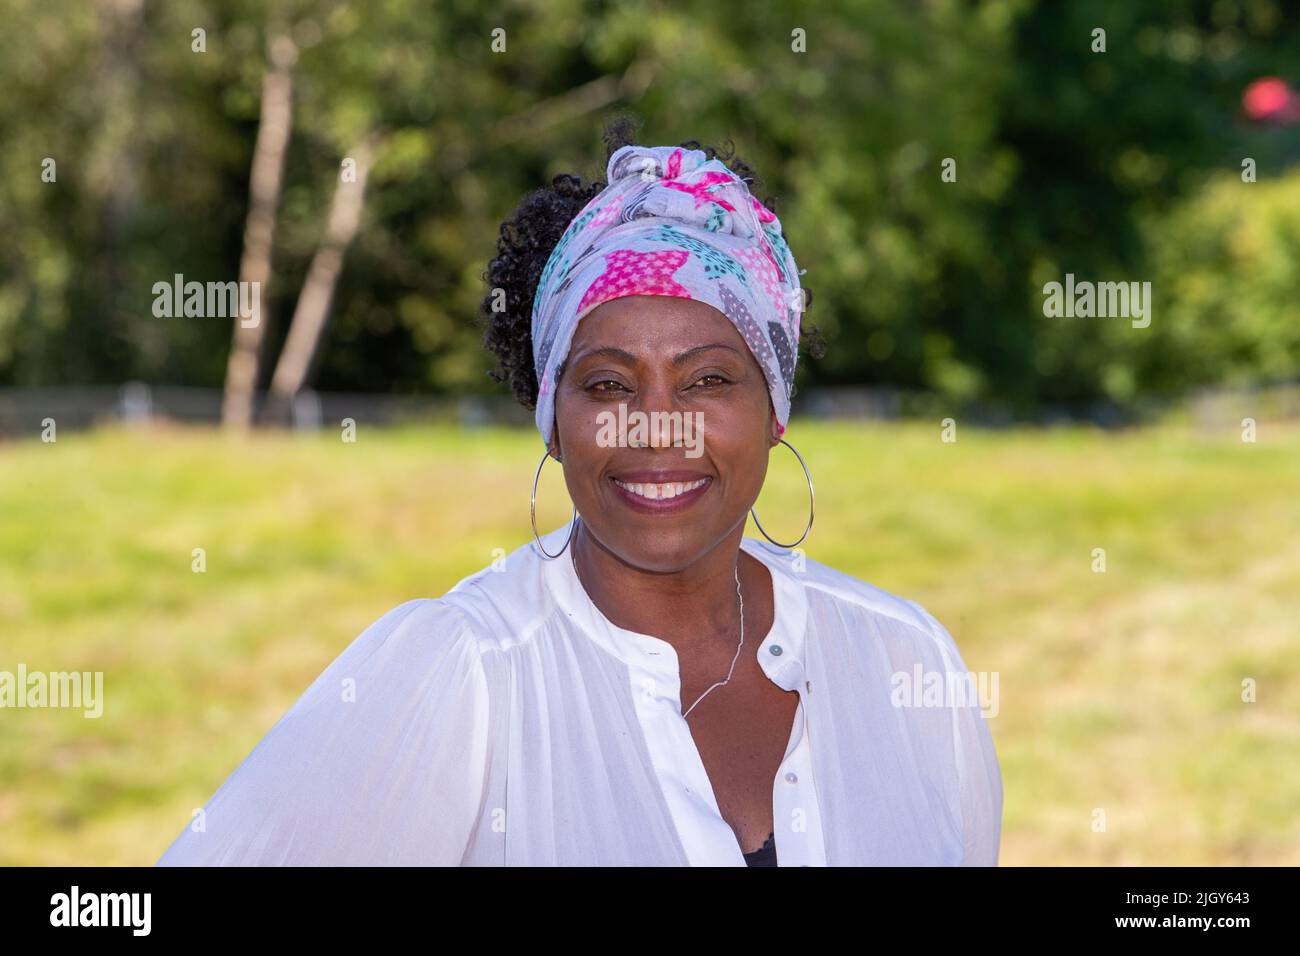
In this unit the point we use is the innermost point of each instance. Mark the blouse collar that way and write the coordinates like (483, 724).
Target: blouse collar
(780, 653)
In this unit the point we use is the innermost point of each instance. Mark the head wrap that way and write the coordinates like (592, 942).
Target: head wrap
(672, 222)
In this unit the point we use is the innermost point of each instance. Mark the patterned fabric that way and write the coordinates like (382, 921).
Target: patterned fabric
(672, 222)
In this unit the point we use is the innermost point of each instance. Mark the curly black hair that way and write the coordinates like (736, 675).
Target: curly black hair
(525, 244)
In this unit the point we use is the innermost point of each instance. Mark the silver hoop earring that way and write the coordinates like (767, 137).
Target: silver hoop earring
(532, 512)
(810, 504)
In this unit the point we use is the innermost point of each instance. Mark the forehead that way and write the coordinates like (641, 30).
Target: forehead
(652, 324)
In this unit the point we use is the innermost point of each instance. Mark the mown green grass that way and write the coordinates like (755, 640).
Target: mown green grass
(1119, 691)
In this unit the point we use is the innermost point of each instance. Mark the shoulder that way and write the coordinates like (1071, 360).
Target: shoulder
(411, 645)
(412, 623)
(857, 596)
(503, 602)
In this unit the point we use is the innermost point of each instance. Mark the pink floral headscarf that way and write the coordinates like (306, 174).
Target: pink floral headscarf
(672, 222)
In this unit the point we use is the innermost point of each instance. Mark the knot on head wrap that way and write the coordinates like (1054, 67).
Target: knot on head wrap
(672, 222)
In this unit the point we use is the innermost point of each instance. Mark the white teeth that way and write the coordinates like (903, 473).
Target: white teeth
(668, 489)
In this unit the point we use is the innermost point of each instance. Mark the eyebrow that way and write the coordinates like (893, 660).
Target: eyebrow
(611, 351)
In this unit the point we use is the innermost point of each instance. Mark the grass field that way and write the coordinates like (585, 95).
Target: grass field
(1119, 691)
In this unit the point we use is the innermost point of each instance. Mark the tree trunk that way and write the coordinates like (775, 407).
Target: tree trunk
(312, 313)
(265, 185)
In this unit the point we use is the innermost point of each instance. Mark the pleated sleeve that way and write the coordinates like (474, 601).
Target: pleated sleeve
(381, 761)
(978, 774)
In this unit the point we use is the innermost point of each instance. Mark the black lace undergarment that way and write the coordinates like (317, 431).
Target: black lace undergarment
(765, 855)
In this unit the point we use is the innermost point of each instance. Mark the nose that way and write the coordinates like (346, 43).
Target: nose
(664, 411)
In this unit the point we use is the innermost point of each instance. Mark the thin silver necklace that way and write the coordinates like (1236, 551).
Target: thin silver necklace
(731, 670)
(736, 657)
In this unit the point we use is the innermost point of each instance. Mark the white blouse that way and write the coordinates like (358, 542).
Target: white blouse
(510, 723)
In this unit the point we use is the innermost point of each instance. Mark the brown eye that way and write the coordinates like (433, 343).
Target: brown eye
(719, 380)
(596, 386)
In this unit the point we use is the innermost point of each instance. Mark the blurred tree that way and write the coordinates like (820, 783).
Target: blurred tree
(1058, 158)
(265, 185)
(311, 315)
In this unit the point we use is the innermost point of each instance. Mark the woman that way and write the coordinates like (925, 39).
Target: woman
(643, 685)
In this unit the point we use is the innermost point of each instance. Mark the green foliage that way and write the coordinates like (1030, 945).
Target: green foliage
(1226, 262)
(1066, 160)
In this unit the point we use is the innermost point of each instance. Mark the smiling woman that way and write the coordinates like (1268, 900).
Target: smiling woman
(534, 714)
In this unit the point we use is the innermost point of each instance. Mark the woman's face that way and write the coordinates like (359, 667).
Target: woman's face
(662, 354)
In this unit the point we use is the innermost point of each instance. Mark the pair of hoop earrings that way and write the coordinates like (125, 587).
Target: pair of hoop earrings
(573, 521)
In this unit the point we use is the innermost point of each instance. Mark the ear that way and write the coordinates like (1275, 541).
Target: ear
(774, 428)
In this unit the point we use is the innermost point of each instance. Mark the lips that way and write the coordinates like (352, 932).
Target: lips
(658, 475)
(660, 492)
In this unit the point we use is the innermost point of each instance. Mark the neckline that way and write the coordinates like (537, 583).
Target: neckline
(657, 641)
(779, 649)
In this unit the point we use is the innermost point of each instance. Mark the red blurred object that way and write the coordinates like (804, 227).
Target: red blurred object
(1271, 100)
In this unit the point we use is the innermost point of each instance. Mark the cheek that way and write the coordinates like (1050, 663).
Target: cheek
(575, 422)
(583, 431)
(738, 446)
(739, 426)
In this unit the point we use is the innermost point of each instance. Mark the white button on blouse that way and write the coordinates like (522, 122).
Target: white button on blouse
(510, 723)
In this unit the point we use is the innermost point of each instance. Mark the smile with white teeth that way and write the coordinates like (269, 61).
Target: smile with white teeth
(668, 489)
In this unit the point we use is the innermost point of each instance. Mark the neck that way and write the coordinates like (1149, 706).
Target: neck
(693, 607)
